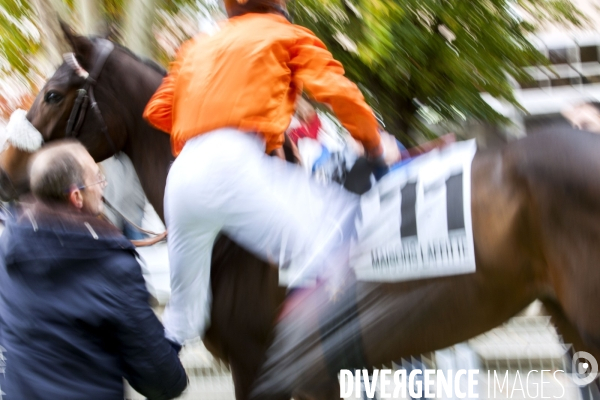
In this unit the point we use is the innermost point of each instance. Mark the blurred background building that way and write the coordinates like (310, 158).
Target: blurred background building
(573, 76)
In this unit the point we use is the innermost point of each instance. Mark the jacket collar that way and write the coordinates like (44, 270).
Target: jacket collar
(41, 224)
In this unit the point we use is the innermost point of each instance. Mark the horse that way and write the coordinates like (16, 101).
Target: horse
(535, 212)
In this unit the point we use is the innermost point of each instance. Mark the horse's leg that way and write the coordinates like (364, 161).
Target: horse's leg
(243, 373)
(568, 332)
(574, 307)
(332, 393)
(246, 297)
(570, 337)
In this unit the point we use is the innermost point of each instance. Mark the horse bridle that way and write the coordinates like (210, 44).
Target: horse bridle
(85, 96)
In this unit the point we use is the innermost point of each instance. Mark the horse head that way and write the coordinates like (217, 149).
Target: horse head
(89, 99)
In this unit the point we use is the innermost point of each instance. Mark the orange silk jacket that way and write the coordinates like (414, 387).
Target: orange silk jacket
(247, 77)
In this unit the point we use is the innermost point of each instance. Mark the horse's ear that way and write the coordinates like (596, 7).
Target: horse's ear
(81, 45)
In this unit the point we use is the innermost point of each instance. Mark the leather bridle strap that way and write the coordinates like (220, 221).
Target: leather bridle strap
(158, 237)
(85, 96)
(120, 214)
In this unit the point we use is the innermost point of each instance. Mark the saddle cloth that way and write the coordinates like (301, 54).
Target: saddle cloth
(416, 221)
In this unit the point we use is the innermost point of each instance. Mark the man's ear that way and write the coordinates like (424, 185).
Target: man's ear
(76, 198)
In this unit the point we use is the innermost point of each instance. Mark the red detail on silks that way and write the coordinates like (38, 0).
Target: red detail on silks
(309, 129)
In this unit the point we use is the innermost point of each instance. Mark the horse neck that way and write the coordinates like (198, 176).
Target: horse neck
(151, 156)
(149, 149)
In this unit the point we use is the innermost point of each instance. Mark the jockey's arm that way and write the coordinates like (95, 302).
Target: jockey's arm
(159, 110)
(315, 70)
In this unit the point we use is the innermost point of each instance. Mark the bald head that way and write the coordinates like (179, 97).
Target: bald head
(57, 168)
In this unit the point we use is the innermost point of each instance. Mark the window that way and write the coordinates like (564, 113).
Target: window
(560, 82)
(589, 54)
(558, 56)
(530, 85)
(592, 79)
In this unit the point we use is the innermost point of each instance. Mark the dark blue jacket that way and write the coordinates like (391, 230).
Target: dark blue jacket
(74, 314)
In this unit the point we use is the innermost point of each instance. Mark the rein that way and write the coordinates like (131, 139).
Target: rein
(158, 237)
(85, 96)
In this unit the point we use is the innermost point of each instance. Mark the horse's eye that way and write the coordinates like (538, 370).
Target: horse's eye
(53, 97)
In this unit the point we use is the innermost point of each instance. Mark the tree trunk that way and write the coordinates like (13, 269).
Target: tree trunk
(49, 13)
(397, 118)
(90, 15)
(137, 32)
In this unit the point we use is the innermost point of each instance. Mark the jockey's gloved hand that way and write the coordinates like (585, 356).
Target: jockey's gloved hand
(376, 158)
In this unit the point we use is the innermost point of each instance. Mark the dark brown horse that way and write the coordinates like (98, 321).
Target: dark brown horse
(536, 221)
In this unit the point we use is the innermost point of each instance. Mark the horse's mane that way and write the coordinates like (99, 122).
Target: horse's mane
(146, 61)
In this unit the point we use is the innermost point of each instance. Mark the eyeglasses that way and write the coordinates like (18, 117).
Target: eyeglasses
(101, 181)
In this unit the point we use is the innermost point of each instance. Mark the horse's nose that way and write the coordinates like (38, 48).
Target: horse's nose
(7, 189)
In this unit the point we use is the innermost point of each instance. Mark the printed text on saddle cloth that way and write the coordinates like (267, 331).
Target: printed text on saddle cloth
(416, 222)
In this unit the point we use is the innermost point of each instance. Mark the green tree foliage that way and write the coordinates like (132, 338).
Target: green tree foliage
(19, 36)
(436, 53)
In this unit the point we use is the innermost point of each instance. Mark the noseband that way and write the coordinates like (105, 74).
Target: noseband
(85, 96)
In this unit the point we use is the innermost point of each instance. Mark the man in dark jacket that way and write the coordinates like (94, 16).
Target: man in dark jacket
(74, 313)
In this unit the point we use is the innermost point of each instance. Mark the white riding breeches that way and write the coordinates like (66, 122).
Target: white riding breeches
(224, 182)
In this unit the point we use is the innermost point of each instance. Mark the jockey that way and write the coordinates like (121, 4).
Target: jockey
(228, 98)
